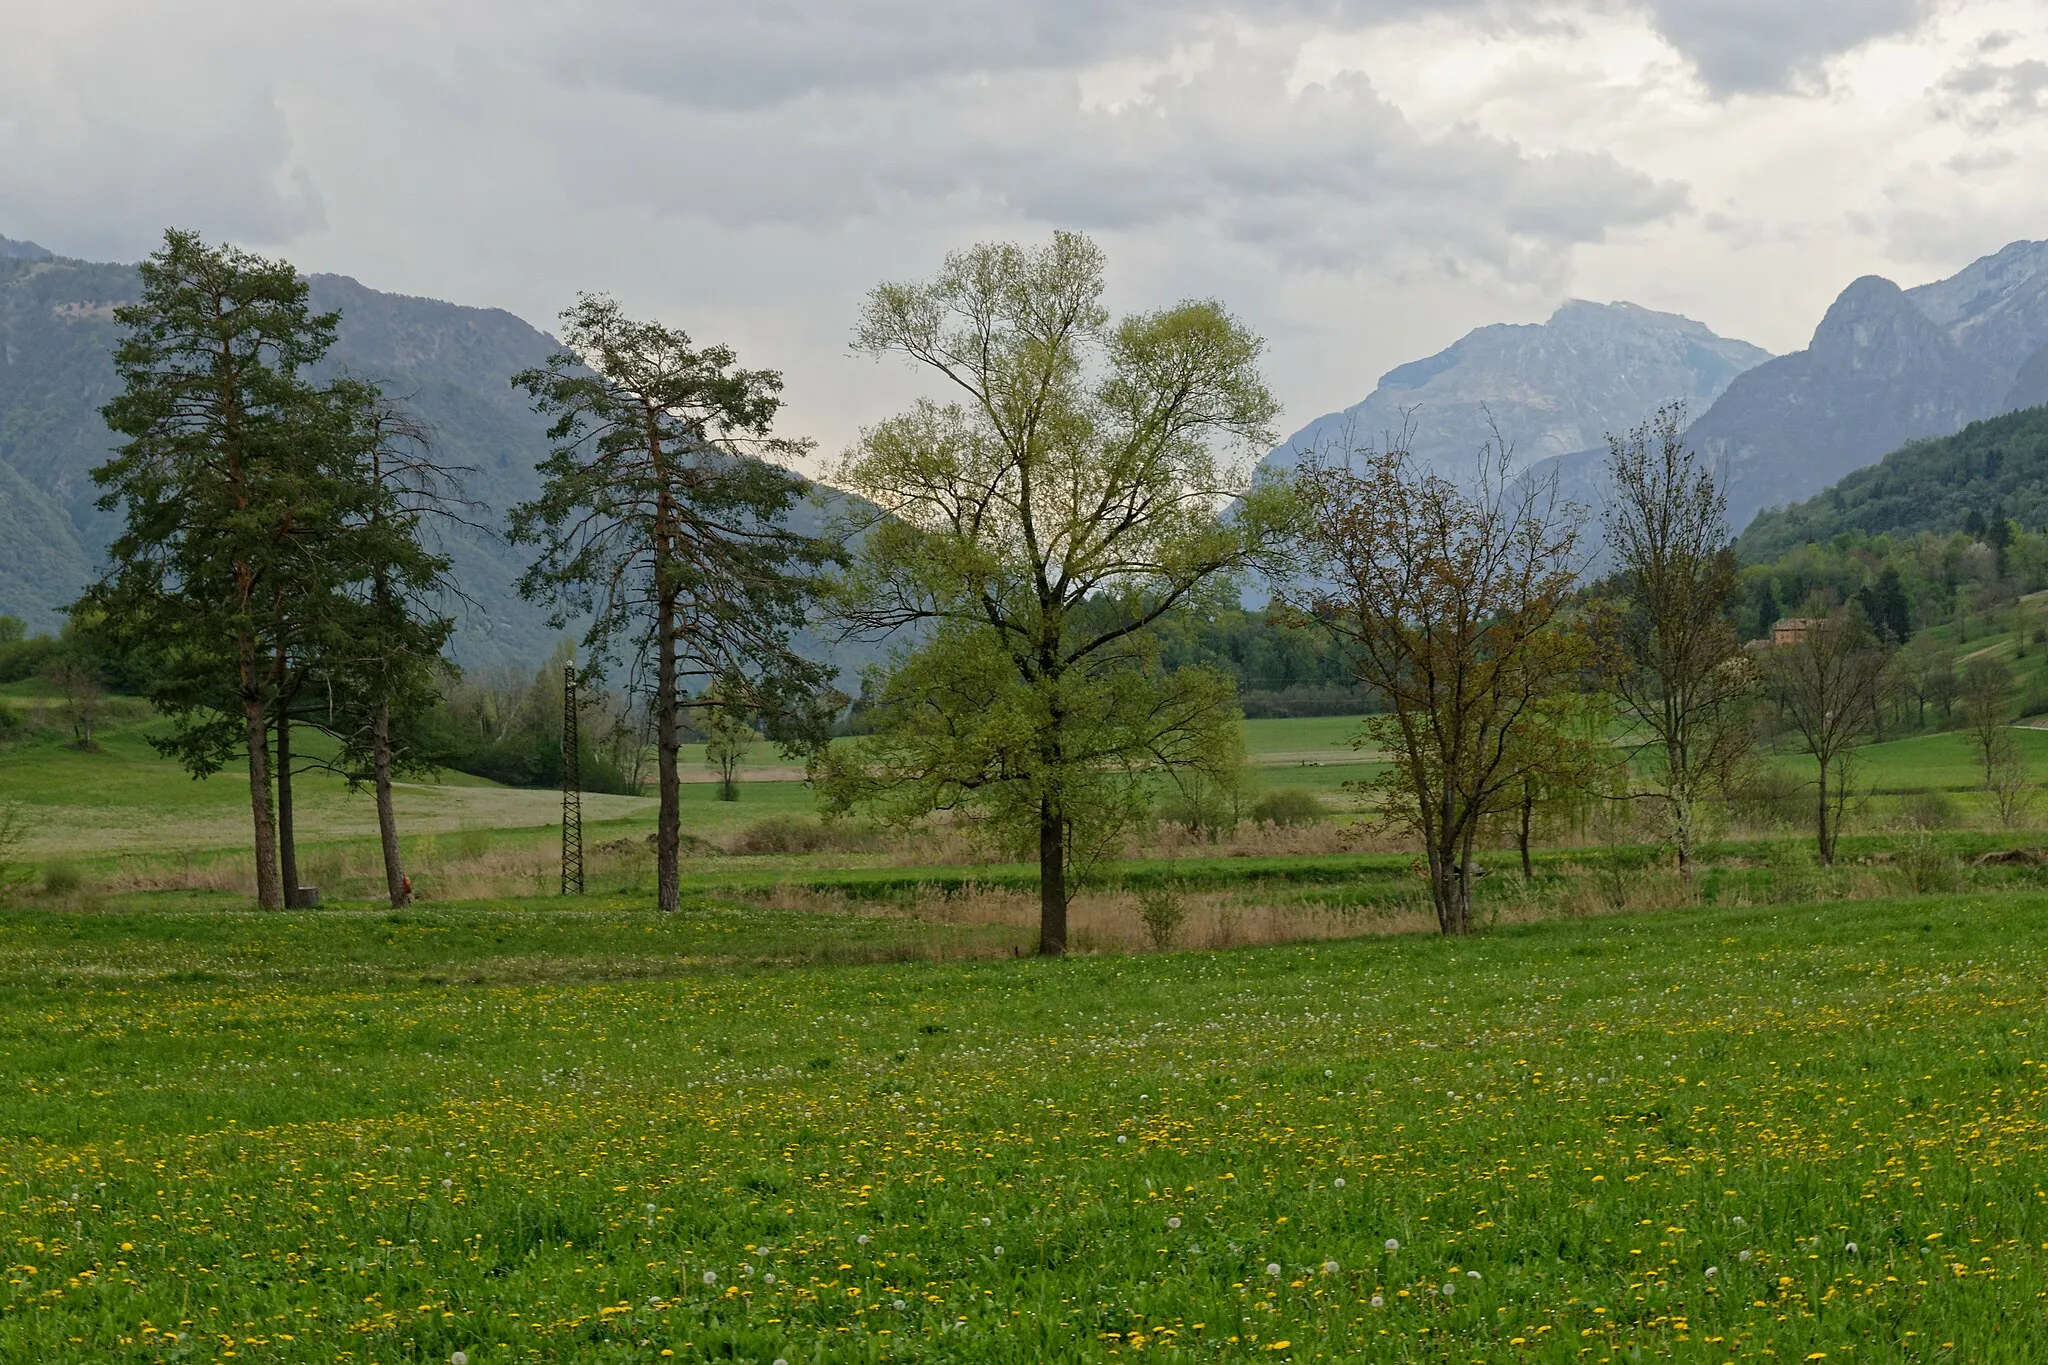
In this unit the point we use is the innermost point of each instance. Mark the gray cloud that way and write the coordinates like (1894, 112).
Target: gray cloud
(1753, 45)
(1987, 96)
(1331, 177)
(733, 53)
(101, 143)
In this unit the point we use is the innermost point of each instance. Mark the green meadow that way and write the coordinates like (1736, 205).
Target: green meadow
(833, 1111)
(525, 1131)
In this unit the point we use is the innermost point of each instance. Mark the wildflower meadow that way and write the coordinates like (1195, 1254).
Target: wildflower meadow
(524, 1132)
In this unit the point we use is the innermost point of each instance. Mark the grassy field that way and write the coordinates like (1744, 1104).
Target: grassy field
(527, 1133)
(1939, 762)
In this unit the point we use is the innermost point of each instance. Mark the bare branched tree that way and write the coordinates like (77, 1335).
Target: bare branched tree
(1450, 600)
(1827, 683)
(1674, 665)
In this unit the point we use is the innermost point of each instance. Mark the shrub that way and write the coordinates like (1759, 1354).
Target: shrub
(1926, 867)
(1163, 909)
(1289, 806)
(61, 879)
(794, 834)
(1772, 798)
(1929, 810)
(13, 834)
(1795, 873)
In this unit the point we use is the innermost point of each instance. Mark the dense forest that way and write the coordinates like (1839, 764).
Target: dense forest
(1987, 471)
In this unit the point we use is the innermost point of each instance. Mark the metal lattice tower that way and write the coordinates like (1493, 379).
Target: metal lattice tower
(572, 788)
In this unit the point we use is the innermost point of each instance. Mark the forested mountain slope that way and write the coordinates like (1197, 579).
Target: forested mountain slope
(451, 364)
(1989, 468)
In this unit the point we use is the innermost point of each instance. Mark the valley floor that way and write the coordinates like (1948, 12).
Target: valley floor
(531, 1132)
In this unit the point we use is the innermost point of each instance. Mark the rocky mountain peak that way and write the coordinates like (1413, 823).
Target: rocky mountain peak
(1554, 387)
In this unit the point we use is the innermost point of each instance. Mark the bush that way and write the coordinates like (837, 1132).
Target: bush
(794, 834)
(1289, 806)
(1926, 867)
(1929, 810)
(1772, 798)
(61, 879)
(1163, 909)
(1795, 874)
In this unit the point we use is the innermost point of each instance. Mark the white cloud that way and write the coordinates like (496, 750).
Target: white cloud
(1364, 180)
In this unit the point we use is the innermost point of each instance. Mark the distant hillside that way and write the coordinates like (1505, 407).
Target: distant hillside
(1554, 387)
(1886, 366)
(451, 364)
(1932, 485)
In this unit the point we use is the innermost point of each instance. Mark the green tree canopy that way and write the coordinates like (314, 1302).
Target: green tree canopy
(1081, 461)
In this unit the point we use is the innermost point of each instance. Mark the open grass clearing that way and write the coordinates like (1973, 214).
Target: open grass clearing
(302, 1135)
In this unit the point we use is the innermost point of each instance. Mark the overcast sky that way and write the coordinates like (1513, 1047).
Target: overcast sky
(1362, 180)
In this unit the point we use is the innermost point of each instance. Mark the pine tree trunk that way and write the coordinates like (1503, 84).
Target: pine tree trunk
(669, 823)
(287, 839)
(1052, 879)
(387, 817)
(269, 894)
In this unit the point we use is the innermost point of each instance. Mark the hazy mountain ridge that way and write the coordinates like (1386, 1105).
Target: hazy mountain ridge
(1993, 466)
(451, 364)
(1553, 387)
(1886, 366)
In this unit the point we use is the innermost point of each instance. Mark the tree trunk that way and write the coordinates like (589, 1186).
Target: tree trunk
(387, 818)
(287, 838)
(1827, 838)
(1052, 879)
(668, 838)
(269, 895)
(1682, 832)
(1528, 808)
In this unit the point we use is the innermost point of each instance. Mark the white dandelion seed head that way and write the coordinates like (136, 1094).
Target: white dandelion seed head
(1393, 1244)
(899, 1305)
(1850, 1248)
(1747, 1256)
(746, 1270)
(1121, 1138)
(1328, 1072)
(1338, 1182)
(987, 1222)
(459, 1358)
(779, 1360)
(769, 1278)
(1379, 1301)
(1272, 1267)
(446, 1183)
(1450, 1289)
(1173, 1222)
(711, 1277)
(650, 1208)
(1712, 1271)
(1329, 1267)
(863, 1239)
(999, 1251)
(1471, 1274)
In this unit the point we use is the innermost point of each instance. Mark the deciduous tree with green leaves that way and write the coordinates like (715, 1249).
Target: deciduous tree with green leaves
(1082, 460)
(664, 516)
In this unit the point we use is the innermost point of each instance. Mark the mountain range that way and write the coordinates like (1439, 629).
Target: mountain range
(452, 365)
(1886, 366)
(1553, 388)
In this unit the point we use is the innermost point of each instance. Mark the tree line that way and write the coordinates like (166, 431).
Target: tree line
(1055, 550)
